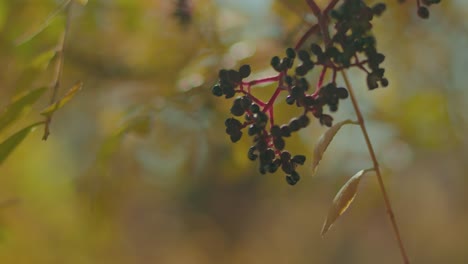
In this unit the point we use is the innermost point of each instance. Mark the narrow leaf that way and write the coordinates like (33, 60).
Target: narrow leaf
(42, 60)
(7, 146)
(60, 103)
(19, 106)
(325, 140)
(30, 35)
(343, 199)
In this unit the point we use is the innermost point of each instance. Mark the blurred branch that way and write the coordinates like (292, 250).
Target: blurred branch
(58, 66)
(370, 147)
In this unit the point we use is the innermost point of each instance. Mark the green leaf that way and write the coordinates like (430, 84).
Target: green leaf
(60, 103)
(7, 146)
(343, 199)
(325, 140)
(42, 60)
(31, 34)
(20, 106)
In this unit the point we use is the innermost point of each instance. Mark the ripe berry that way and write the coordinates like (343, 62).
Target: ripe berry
(217, 90)
(299, 159)
(378, 9)
(303, 121)
(290, 53)
(275, 131)
(244, 71)
(423, 12)
(342, 93)
(285, 131)
(279, 143)
(290, 180)
(254, 108)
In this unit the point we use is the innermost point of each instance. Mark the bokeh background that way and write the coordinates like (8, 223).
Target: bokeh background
(138, 168)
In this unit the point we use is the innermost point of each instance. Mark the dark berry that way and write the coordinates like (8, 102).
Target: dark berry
(275, 131)
(423, 12)
(295, 176)
(251, 154)
(342, 93)
(245, 102)
(285, 131)
(326, 120)
(217, 90)
(253, 129)
(372, 79)
(290, 53)
(244, 71)
(237, 108)
(316, 49)
(285, 156)
(279, 143)
(254, 108)
(378, 9)
(294, 125)
(290, 180)
(232, 122)
(303, 56)
(299, 159)
(303, 121)
(236, 136)
(287, 167)
(384, 82)
(290, 99)
(333, 107)
(302, 70)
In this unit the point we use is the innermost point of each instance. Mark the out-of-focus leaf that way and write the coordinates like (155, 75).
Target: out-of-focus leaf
(19, 107)
(139, 124)
(60, 103)
(82, 2)
(325, 140)
(30, 35)
(7, 146)
(42, 60)
(343, 199)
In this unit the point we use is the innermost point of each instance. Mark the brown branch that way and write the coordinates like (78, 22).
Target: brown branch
(58, 67)
(390, 213)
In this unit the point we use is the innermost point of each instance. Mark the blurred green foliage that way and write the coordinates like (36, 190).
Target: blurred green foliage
(138, 169)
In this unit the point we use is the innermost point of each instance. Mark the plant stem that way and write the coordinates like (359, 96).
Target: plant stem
(390, 213)
(58, 66)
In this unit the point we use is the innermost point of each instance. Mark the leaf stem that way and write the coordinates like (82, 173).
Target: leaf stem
(58, 67)
(390, 213)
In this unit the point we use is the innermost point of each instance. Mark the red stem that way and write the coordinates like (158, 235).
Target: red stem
(330, 6)
(306, 35)
(264, 80)
(315, 8)
(272, 99)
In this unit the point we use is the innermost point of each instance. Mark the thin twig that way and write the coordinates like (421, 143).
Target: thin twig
(390, 213)
(58, 68)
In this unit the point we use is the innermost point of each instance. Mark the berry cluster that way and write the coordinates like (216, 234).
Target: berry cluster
(353, 38)
(349, 45)
(269, 143)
